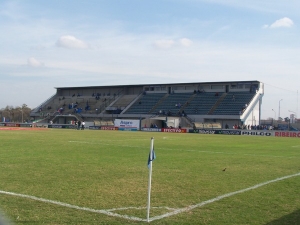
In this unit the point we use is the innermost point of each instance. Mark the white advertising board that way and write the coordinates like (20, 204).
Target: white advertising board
(127, 124)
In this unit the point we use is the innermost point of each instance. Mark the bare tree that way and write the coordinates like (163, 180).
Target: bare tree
(16, 114)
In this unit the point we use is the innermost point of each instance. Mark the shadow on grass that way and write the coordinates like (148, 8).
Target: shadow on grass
(293, 218)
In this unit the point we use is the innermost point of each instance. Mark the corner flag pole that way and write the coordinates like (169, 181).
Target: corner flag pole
(150, 176)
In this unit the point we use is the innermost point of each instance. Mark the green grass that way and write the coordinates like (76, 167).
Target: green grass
(108, 169)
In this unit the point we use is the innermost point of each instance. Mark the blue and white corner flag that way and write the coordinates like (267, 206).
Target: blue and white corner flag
(151, 157)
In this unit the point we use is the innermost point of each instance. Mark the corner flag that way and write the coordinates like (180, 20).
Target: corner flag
(151, 157)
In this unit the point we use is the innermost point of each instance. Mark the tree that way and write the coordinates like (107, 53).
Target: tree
(16, 114)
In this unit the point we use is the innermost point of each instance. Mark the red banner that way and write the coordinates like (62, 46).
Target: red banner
(287, 134)
(173, 130)
(109, 128)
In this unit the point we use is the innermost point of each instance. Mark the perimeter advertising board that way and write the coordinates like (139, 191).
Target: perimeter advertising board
(60, 126)
(102, 128)
(25, 125)
(173, 130)
(108, 128)
(226, 132)
(287, 134)
(129, 125)
(15, 124)
(268, 133)
(151, 129)
(257, 133)
(94, 127)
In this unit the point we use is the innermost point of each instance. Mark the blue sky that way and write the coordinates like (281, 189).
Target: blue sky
(58, 43)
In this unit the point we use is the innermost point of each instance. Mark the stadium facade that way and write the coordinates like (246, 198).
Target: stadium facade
(179, 104)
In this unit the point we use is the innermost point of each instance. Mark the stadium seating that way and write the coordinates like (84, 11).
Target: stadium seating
(173, 103)
(234, 103)
(145, 104)
(201, 103)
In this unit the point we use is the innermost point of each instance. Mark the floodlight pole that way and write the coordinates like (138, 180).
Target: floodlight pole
(279, 109)
(274, 113)
(294, 114)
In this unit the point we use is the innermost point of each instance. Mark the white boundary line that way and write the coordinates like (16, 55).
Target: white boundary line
(181, 210)
(106, 212)
(133, 218)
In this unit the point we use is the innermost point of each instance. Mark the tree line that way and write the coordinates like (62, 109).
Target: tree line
(18, 114)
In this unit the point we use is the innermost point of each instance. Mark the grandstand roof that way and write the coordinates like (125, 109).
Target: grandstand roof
(135, 85)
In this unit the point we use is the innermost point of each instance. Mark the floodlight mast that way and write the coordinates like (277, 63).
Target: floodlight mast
(293, 112)
(274, 113)
(295, 117)
(279, 109)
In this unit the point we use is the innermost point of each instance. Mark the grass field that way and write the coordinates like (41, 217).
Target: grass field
(101, 177)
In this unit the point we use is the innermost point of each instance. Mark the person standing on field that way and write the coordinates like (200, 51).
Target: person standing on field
(82, 125)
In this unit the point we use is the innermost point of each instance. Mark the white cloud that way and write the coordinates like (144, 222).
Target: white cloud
(164, 44)
(185, 42)
(265, 26)
(71, 42)
(34, 62)
(284, 22)
(169, 43)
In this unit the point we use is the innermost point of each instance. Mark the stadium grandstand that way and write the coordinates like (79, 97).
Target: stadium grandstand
(186, 104)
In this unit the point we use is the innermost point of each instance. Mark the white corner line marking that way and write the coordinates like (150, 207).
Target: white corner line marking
(181, 210)
(133, 218)
(106, 212)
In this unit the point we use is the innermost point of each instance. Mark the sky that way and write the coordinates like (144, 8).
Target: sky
(74, 43)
